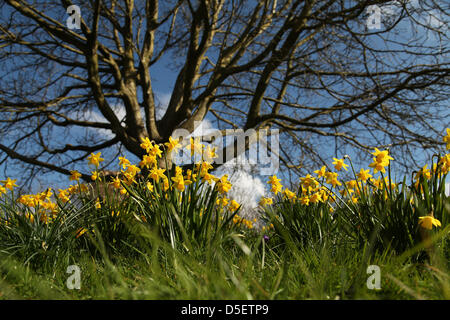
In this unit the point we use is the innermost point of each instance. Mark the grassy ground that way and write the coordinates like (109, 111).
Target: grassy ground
(263, 273)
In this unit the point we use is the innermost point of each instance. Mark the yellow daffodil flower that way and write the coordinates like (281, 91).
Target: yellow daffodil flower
(74, 175)
(315, 198)
(265, 201)
(95, 159)
(424, 172)
(209, 154)
(275, 183)
(97, 204)
(363, 175)
(155, 151)
(289, 194)
(146, 144)
(378, 166)
(63, 195)
(116, 183)
(339, 164)
(233, 206)
(308, 181)
(223, 201)
(178, 182)
(94, 175)
(124, 162)
(428, 222)
(223, 185)
(321, 172)
(157, 173)
(304, 200)
(173, 145)
(382, 156)
(9, 183)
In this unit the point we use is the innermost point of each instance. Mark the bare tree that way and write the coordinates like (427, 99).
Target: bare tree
(313, 69)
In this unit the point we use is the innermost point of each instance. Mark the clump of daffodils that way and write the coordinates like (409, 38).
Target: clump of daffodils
(40, 205)
(131, 174)
(325, 185)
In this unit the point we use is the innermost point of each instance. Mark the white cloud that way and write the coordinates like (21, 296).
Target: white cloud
(247, 190)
